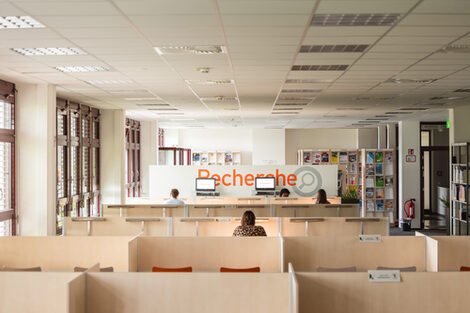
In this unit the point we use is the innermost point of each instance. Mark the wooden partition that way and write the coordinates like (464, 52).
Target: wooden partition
(334, 226)
(116, 226)
(353, 293)
(142, 210)
(228, 200)
(301, 200)
(317, 210)
(308, 253)
(209, 253)
(217, 227)
(22, 292)
(64, 253)
(453, 252)
(188, 292)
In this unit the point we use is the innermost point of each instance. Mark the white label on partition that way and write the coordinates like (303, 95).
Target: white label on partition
(389, 276)
(224, 219)
(370, 238)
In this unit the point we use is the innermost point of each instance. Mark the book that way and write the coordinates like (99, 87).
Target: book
(370, 205)
(389, 193)
(352, 180)
(228, 157)
(196, 157)
(388, 205)
(370, 157)
(307, 157)
(379, 205)
(369, 192)
(352, 157)
(379, 169)
(379, 193)
(370, 181)
(389, 169)
(388, 181)
(352, 169)
(343, 157)
(379, 181)
(334, 157)
(388, 157)
(316, 158)
(370, 169)
(325, 158)
(379, 157)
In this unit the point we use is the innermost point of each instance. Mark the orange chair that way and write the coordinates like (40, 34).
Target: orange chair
(465, 268)
(169, 269)
(240, 270)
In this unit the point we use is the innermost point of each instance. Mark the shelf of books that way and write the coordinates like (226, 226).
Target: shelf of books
(216, 158)
(459, 204)
(348, 161)
(378, 187)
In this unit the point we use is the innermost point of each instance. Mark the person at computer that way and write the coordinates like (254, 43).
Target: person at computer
(284, 193)
(321, 197)
(248, 227)
(174, 193)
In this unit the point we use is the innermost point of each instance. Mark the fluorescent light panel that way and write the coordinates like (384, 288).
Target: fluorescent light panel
(48, 51)
(110, 81)
(81, 69)
(210, 82)
(341, 67)
(15, 22)
(367, 19)
(162, 50)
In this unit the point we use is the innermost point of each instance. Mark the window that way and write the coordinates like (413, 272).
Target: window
(133, 158)
(78, 152)
(7, 159)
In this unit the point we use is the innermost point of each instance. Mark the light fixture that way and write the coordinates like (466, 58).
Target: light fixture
(410, 81)
(332, 48)
(219, 98)
(181, 119)
(141, 99)
(162, 50)
(456, 49)
(320, 67)
(48, 51)
(135, 91)
(110, 81)
(364, 19)
(81, 69)
(210, 82)
(15, 22)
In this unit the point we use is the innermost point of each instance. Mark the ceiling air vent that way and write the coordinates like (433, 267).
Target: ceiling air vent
(456, 49)
(377, 19)
(164, 109)
(308, 81)
(350, 109)
(333, 48)
(300, 90)
(284, 113)
(391, 113)
(462, 90)
(414, 109)
(145, 105)
(289, 104)
(446, 98)
(162, 50)
(210, 82)
(377, 119)
(319, 67)
(219, 98)
(287, 109)
(436, 104)
(368, 122)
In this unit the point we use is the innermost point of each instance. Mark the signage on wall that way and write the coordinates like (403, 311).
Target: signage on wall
(410, 157)
(239, 181)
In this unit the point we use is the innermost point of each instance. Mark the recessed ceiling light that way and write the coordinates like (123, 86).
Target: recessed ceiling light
(163, 109)
(319, 67)
(219, 98)
(152, 104)
(300, 90)
(333, 48)
(462, 90)
(456, 49)
(410, 81)
(355, 19)
(350, 109)
(446, 98)
(78, 69)
(48, 51)
(190, 50)
(110, 81)
(135, 91)
(308, 81)
(210, 82)
(12, 22)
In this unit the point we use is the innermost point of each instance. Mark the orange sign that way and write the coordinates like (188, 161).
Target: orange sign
(236, 179)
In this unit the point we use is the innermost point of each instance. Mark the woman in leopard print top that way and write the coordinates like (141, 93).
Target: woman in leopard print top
(248, 228)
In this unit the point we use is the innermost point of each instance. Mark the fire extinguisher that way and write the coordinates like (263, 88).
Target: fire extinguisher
(409, 208)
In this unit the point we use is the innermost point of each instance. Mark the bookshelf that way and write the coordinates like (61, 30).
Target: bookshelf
(378, 183)
(459, 202)
(348, 161)
(204, 158)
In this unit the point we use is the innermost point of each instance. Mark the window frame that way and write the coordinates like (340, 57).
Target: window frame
(133, 156)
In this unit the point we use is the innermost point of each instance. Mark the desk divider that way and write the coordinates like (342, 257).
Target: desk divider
(134, 247)
(453, 252)
(293, 290)
(76, 294)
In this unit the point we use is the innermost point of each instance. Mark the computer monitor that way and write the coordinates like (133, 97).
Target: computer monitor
(265, 183)
(205, 184)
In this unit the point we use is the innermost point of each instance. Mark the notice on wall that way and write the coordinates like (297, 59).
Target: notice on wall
(239, 181)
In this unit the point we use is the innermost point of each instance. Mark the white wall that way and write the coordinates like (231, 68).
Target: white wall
(460, 126)
(112, 132)
(409, 177)
(318, 138)
(269, 146)
(36, 159)
(367, 138)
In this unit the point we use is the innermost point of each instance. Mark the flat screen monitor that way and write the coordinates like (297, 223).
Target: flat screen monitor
(265, 183)
(205, 184)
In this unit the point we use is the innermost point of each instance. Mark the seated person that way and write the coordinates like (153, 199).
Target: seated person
(321, 197)
(248, 227)
(284, 193)
(174, 197)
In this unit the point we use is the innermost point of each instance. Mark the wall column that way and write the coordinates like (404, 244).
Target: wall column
(113, 149)
(269, 146)
(149, 152)
(410, 173)
(36, 159)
